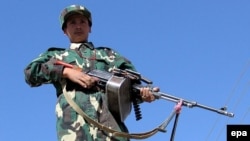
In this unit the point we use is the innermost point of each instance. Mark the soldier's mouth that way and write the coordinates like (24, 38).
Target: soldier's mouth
(78, 33)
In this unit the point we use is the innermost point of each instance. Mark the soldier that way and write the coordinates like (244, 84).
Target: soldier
(76, 23)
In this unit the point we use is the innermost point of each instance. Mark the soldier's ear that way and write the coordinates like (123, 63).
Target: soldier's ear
(64, 32)
(90, 30)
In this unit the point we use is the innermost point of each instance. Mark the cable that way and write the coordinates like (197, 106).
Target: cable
(239, 99)
(245, 115)
(235, 107)
(230, 97)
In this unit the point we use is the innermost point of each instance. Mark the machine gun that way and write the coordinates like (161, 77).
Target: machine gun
(105, 78)
(123, 87)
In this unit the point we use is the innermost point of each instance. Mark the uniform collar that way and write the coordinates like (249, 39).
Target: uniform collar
(75, 45)
(78, 45)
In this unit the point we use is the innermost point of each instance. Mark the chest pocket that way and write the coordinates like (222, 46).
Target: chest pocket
(102, 60)
(94, 59)
(88, 59)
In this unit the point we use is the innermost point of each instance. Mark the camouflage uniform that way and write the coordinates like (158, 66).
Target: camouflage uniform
(70, 125)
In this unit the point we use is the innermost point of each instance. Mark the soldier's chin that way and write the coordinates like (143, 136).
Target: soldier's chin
(80, 40)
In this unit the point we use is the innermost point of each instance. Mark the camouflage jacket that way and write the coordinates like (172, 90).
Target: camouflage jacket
(42, 70)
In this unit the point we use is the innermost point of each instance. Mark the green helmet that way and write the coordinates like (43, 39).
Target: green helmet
(72, 9)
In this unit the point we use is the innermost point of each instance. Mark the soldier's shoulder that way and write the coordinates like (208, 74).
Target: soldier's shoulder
(104, 48)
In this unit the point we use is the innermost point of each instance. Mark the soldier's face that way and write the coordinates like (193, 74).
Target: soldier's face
(77, 28)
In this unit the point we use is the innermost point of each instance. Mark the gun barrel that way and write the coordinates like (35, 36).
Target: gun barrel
(190, 104)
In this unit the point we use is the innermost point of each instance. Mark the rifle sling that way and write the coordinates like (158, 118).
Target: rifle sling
(105, 128)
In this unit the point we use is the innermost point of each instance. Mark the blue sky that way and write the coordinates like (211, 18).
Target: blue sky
(197, 50)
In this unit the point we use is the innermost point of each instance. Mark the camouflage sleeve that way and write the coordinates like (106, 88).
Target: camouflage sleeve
(42, 70)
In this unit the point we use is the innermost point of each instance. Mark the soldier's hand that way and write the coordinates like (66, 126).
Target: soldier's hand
(147, 95)
(80, 78)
